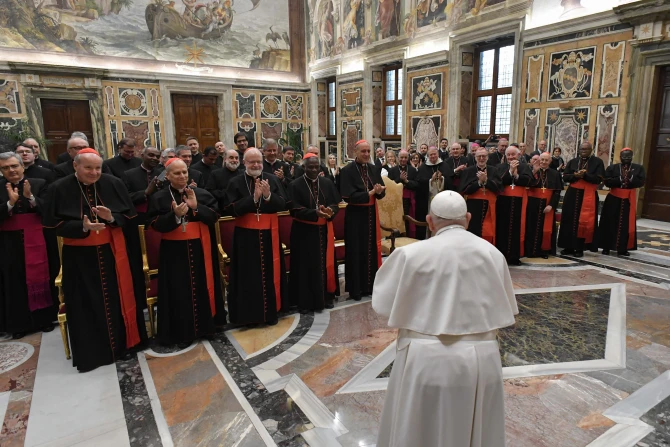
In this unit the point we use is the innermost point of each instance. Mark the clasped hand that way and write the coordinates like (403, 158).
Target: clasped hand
(13, 193)
(324, 212)
(262, 189)
(377, 189)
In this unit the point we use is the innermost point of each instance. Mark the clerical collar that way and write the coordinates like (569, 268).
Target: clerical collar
(85, 184)
(272, 162)
(20, 180)
(481, 169)
(181, 191)
(360, 163)
(146, 169)
(232, 170)
(449, 227)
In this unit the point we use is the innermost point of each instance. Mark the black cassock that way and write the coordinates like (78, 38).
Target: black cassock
(218, 182)
(614, 230)
(137, 181)
(205, 170)
(362, 253)
(425, 173)
(26, 300)
(309, 243)
(408, 192)
(510, 209)
(118, 165)
(452, 163)
(91, 275)
(36, 171)
(184, 302)
(538, 200)
(478, 207)
(252, 296)
(568, 237)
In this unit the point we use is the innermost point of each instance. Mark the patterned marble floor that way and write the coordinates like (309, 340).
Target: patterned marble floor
(587, 364)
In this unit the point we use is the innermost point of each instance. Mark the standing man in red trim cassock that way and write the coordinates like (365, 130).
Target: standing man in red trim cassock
(580, 205)
(188, 283)
(89, 209)
(618, 229)
(361, 185)
(257, 273)
(314, 204)
(480, 185)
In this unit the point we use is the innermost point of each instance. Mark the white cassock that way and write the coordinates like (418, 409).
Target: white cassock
(447, 296)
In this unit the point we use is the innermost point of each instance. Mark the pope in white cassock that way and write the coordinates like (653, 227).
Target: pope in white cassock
(446, 388)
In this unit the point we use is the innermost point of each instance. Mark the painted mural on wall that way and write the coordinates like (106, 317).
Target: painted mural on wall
(571, 74)
(353, 28)
(388, 18)
(546, 12)
(237, 33)
(429, 12)
(427, 92)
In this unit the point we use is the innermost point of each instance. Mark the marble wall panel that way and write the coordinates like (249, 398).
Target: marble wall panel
(246, 105)
(531, 128)
(605, 132)
(377, 111)
(351, 100)
(271, 107)
(271, 130)
(249, 128)
(427, 92)
(138, 131)
(133, 102)
(567, 128)
(534, 76)
(352, 131)
(432, 102)
(612, 69)
(426, 130)
(10, 97)
(294, 107)
(571, 74)
(466, 104)
(322, 102)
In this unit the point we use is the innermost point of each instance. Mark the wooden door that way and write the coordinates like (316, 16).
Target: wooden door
(196, 116)
(61, 117)
(657, 191)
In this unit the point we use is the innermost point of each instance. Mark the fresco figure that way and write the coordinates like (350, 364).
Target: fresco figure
(354, 23)
(326, 29)
(388, 18)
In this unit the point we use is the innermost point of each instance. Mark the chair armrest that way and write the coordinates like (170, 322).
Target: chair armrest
(145, 264)
(394, 231)
(58, 282)
(222, 253)
(414, 221)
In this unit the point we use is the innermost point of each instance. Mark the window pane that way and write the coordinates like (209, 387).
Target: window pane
(503, 113)
(390, 85)
(331, 123)
(484, 115)
(506, 66)
(399, 86)
(486, 60)
(331, 95)
(390, 120)
(399, 129)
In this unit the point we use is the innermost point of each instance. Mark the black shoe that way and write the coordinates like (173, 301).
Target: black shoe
(273, 322)
(544, 256)
(579, 254)
(303, 311)
(567, 252)
(356, 298)
(330, 306)
(183, 346)
(606, 252)
(48, 328)
(625, 253)
(18, 335)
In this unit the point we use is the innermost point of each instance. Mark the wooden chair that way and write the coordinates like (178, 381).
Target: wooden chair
(338, 229)
(392, 218)
(224, 240)
(150, 241)
(62, 316)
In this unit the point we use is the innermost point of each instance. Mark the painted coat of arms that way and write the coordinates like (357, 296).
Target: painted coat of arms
(571, 74)
(427, 92)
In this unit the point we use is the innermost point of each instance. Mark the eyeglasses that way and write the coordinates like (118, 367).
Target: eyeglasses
(77, 148)
(9, 168)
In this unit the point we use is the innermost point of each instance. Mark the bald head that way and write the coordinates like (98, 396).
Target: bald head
(253, 162)
(455, 150)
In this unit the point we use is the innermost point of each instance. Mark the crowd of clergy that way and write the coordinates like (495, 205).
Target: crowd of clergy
(96, 207)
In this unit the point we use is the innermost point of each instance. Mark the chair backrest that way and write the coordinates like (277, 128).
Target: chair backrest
(338, 222)
(285, 222)
(390, 207)
(150, 241)
(226, 229)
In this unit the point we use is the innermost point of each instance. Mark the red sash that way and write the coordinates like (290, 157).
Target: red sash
(378, 231)
(408, 194)
(34, 257)
(197, 230)
(631, 195)
(330, 251)
(519, 191)
(266, 222)
(548, 227)
(489, 224)
(587, 215)
(114, 237)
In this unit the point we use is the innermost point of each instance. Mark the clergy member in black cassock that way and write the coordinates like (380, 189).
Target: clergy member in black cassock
(257, 290)
(218, 181)
(617, 228)
(189, 294)
(511, 206)
(207, 164)
(125, 159)
(26, 300)
(138, 179)
(544, 193)
(579, 217)
(314, 202)
(89, 210)
(406, 174)
(456, 163)
(480, 184)
(361, 185)
(434, 177)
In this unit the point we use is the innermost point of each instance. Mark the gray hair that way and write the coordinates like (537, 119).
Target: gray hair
(270, 142)
(180, 148)
(228, 152)
(8, 155)
(146, 148)
(76, 138)
(81, 135)
(167, 152)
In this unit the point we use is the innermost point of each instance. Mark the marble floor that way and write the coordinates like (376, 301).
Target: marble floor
(587, 364)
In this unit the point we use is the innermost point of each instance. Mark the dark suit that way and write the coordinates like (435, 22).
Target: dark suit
(118, 165)
(62, 158)
(137, 180)
(35, 171)
(45, 164)
(218, 182)
(205, 170)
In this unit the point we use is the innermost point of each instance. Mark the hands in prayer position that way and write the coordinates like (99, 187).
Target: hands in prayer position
(181, 209)
(482, 176)
(378, 189)
(90, 226)
(514, 167)
(13, 193)
(280, 173)
(262, 189)
(324, 212)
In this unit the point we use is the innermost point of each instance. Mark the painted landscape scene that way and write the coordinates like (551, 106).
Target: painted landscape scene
(233, 33)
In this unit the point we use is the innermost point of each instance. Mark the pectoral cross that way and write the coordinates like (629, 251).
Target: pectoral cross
(183, 225)
(512, 185)
(544, 189)
(258, 214)
(97, 221)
